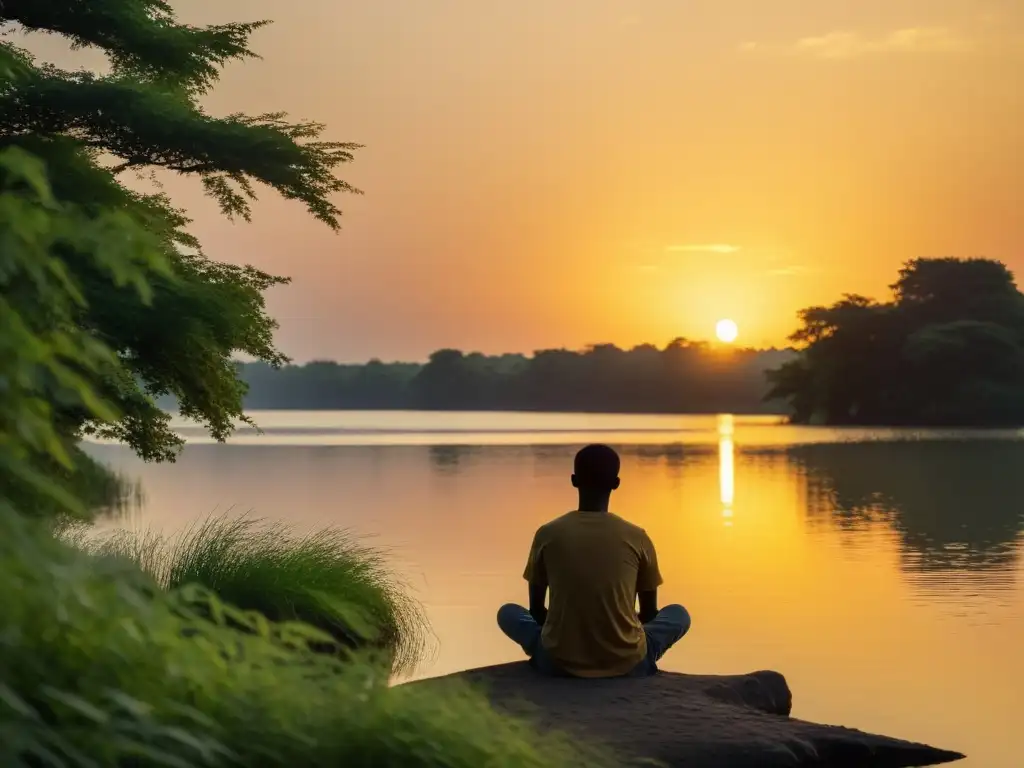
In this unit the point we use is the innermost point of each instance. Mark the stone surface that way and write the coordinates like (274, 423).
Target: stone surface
(739, 721)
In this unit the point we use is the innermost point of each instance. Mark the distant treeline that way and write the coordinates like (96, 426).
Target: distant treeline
(684, 377)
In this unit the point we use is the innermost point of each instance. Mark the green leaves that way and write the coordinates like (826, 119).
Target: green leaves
(149, 126)
(116, 303)
(141, 37)
(50, 364)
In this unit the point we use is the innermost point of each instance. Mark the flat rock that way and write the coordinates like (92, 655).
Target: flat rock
(736, 721)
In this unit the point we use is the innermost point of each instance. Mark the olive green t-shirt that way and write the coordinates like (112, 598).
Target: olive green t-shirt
(594, 564)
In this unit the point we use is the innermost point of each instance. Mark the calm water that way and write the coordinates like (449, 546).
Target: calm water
(879, 570)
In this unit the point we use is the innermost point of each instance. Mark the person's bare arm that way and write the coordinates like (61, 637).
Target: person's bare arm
(539, 611)
(648, 605)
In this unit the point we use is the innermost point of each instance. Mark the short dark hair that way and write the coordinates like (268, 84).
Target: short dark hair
(596, 466)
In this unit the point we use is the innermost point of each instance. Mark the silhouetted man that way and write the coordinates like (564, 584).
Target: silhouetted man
(597, 566)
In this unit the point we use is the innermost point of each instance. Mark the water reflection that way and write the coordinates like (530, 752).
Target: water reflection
(447, 458)
(128, 501)
(812, 577)
(956, 507)
(726, 466)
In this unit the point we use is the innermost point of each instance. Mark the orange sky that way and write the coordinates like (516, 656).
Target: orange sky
(563, 172)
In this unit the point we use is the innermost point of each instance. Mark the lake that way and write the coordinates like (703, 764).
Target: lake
(879, 570)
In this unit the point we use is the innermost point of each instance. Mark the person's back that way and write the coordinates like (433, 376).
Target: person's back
(596, 566)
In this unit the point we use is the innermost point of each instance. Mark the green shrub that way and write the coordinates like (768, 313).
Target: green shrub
(325, 579)
(96, 670)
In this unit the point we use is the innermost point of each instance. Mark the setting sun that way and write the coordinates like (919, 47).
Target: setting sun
(727, 331)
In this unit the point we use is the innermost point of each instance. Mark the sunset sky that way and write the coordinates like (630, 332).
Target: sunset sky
(567, 172)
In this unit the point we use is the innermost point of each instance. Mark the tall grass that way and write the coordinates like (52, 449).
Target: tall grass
(326, 579)
(96, 670)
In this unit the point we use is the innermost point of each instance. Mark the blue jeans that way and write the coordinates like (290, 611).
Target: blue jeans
(663, 631)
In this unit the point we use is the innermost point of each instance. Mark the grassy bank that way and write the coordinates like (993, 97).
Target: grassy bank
(96, 670)
(325, 579)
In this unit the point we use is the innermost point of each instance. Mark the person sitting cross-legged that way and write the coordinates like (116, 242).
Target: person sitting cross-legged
(596, 566)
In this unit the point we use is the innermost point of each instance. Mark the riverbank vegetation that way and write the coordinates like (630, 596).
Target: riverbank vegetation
(99, 666)
(326, 579)
(947, 349)
(682, 377)
(106, 303)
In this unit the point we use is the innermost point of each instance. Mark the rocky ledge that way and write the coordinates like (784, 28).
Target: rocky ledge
(738, 721)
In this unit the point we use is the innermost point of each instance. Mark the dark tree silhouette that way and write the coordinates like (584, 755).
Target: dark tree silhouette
(683, 377)
(947, 349)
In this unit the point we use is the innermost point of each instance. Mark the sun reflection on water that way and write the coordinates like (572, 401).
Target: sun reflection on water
(726, 466)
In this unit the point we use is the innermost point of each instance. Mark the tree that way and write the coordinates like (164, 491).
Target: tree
(177, 338)
(48, 363)
(947, 349)
(847, 347)
(967, 371)
(448, 378)
(682, 378)
(950, 290)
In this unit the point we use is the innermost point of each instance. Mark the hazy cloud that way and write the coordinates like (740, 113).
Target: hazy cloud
(703, 248)
(790, 271)
(851, 45)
